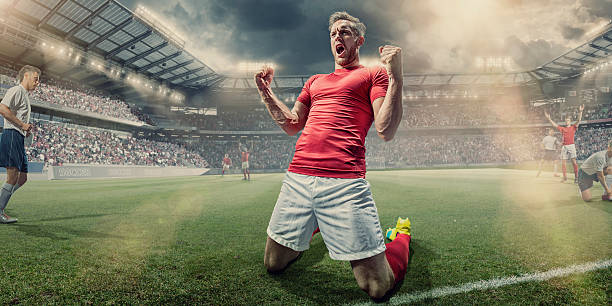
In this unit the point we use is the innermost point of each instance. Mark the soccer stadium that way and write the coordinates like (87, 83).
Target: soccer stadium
(157, 148)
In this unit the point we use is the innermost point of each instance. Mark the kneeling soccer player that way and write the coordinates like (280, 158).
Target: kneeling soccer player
(594, 169)
(324, 185)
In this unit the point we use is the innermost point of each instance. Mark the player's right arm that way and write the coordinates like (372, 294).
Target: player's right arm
(551, 121)
(602, 178)
(291, 121)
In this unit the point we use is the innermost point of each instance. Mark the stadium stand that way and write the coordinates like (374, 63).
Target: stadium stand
(70, 94)
(58, 144)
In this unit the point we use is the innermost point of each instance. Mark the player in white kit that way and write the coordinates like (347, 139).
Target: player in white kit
(549, 146)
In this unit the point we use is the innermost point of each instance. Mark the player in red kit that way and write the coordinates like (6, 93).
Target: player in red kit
(227, 163)
(245, 164)
(568, 150)
(325, 184)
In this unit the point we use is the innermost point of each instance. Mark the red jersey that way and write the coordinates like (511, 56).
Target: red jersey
(227, 161)
(245, 156)
(568, 133)
(332, 143)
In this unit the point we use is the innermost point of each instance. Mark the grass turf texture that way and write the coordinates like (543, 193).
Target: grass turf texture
(201, 240)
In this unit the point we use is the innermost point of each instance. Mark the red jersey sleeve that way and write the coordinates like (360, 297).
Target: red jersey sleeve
(560, 128)
(305, 96)
(380, 82)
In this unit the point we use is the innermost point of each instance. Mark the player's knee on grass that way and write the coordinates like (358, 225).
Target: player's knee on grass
(277, 257)
(373, 275)
(586, 195)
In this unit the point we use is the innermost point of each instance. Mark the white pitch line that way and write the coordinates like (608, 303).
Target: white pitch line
(496, 282)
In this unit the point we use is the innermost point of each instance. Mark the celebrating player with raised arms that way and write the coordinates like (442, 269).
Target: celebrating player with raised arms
(568, 150)
(327, 172)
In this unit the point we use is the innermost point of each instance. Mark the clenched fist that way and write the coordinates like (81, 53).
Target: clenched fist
(263, 78)
(391, 57)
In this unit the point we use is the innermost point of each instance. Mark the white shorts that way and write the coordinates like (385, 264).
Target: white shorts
(245, 165)
(568, 151)
(343, 209)
(225, 167)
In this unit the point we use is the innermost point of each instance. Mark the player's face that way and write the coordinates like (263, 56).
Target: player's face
(551, 132)
(345, 43)
(31, 79)
(568, 121)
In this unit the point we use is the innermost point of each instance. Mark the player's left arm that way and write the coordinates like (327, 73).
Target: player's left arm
(581, 108)
(388, 109)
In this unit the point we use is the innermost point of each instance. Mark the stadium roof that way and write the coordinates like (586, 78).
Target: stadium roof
(573, 63)
(114, 34)
(576, 61)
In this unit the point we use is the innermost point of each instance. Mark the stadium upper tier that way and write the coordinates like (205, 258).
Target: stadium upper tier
(590, 55)
(100, 42)
(53, 93)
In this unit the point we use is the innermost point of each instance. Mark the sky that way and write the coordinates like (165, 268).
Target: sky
(436, 36)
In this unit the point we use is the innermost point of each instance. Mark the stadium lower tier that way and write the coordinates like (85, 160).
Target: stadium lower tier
(60, 143)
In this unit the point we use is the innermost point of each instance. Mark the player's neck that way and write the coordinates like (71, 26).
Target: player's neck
(353, 64)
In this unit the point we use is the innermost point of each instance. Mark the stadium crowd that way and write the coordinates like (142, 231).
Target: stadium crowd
(431, 116)
(272, 152)
(486, 114)
(59, 143)
(73, 95)
(267, 152)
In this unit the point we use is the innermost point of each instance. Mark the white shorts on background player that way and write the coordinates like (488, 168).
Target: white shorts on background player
(245, 165)
(225, 167)
(568, 151)
(343, 209)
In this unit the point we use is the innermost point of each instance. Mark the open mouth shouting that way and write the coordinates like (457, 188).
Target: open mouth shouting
(340, 50)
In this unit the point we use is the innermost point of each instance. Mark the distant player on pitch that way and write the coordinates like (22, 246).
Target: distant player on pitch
(15, 108)
(568, 150)
(549, 147)
(594, 169)
(325, 184)
(227, 163)
(245, 162)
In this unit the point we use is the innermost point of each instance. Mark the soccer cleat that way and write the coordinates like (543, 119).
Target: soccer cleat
(576, 180)
(402, 227)
(5, 219)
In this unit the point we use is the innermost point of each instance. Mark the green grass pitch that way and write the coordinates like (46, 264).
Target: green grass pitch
(200, 240)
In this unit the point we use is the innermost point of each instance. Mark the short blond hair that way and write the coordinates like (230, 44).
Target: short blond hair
(356, 24)
(25, 69)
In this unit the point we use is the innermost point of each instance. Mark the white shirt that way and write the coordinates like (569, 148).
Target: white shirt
(17, 100)
(596, 162)
(550, 142)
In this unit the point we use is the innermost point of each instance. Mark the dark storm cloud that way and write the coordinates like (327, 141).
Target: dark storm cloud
(435, 35)
(596, 8)
(571, 33)
(532, 53)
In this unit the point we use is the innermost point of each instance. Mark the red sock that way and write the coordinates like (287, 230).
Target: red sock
(575, 170)
(564, 170)
(315, 231)
(397, 253)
